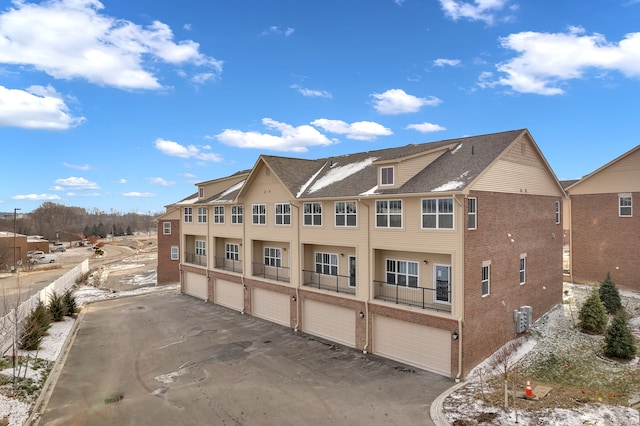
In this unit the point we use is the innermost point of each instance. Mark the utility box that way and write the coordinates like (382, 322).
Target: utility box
(523, 318)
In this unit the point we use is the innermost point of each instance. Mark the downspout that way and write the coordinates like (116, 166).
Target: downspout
(244, 266)
(460, 318)
(212, 255)
(366, 302)
(295, 329)
(459, 350)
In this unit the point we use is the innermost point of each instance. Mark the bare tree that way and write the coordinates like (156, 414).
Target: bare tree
(503, 360)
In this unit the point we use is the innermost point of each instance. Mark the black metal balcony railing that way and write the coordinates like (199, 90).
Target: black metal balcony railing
(278, 273)
(337, 283)
(438, 299)
(195, 259)
(228, 264)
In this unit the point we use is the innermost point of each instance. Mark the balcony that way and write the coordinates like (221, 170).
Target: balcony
(278, 273)
(437, 299)
(195, 259)
(337, 283)
(228, 264)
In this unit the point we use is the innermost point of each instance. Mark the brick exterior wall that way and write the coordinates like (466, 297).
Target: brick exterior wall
(604, 242)
(168, 270)
(530, 219)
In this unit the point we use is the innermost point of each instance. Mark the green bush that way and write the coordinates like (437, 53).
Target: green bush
(593, 314)
(57, 307)
(70, 301)
(34, 328)
(619, 342)
(610, 295)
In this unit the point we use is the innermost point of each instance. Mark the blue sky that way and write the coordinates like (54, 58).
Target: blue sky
(125, 105)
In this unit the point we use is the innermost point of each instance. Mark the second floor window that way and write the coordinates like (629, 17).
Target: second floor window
(236, 214)
(272, 256)
(202, 215)
(437, 213)
(386, 175)
(472, 203)
(557, 211)
(259, 214)
(231, 251)
(218, 214)
(327, 263)
(283, 214)
(346, 213)
(389, 214)
(486, 279)
(188, 215)
(166, 228)
(402, 272)
(201, 248)
(624, 203)
(312, 214)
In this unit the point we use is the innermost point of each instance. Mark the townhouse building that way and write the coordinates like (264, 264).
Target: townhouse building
(605, 225)
(432, 254)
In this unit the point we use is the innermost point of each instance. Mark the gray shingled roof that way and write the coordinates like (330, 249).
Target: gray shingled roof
(355, 174)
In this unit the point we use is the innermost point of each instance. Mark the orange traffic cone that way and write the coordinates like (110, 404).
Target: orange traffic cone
(528, 392)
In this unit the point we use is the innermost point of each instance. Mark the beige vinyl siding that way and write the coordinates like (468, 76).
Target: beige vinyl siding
(410, 167)
(330, 322)
(195, 285)
(228, 294)
(272, 306)
(418, 345)
(621, 176)
(214, 187)
(515, 177)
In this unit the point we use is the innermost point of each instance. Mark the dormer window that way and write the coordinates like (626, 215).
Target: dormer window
(386, 175)
(201, 192)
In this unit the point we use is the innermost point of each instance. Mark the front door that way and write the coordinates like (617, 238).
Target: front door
(443, 283)
(352, 271)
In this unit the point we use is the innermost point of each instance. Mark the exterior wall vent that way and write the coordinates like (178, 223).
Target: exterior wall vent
(523, 317)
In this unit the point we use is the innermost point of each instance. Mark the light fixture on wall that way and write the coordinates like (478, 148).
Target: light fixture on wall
(341, 254)
(293, 298)
(361, 314)
(425, 261)
(454, 335)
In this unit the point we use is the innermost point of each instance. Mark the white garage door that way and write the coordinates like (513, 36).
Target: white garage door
(331, 322)
(229, 294)
(418, 345)
(195, 285)
(272, 306)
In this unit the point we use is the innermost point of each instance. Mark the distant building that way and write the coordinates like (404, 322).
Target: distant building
(9, 241)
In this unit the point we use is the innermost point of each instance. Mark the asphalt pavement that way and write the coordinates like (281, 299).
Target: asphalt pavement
(170, 359)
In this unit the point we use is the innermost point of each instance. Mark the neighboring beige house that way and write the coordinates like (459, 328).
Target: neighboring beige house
(604, 228)
(430, 254)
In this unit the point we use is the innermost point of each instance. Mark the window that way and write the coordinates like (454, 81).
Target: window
(201, 192)
(312, 214)
(402, 272)
(437, 213)
(443, 283)
(557, 212)
(259, 214)
(201, 248)
(175, 253)
(624, 203)
(218, 214)
(386, 175)
(346, 213)
(472, 203)
(231, 251)
(327, 263)
(188, 215)
(166, 228)
(523, 268)
(272, 256)
(389, 214)
(202, 215)
(283, 214)
(486, 278)
(236, 215)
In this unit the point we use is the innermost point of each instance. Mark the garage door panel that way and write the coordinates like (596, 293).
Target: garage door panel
(195, 285)
(425, 347)
(272, 306)
(229, 294)
(331, 322)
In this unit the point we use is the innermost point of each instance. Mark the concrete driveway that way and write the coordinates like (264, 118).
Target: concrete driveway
(167, 358)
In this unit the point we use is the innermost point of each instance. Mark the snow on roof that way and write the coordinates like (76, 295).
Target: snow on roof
(456, 149)
(453, 184)
(307, 183)
(229, 190)
(337, 173)
(372, 191)
(188, 201)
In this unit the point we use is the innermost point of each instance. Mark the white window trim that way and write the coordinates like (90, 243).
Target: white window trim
(522, 269)
(330, 265)
(437, 214)
(345, 214)
(620, 206)
(218, 215)
(407, 261)
(486, 264)
(311, 214)
(258, 215)
(389, 214)
(469, 213)
(232, 249)
(166, 228)
(202, 217)
(277, 257)
(558, 212)
(175, 253)
(188, 216)
(282, 215)
(202, 250)
(393, 175)
(239, 214)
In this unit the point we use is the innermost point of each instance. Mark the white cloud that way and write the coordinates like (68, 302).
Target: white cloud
(312, 93)
(174, 149)
(159, 181)
(134, 194)
(446, 62)
(37, 107)
(122, 181)
(360, 130)
(546, 60)
(77, 183)
(476, 10)
(83, 167)
(296, 139)
(426, 127)
(83, 194)
(189, 175)
(276, 30)
(397, 101)
(70, 39)
(36, 197)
